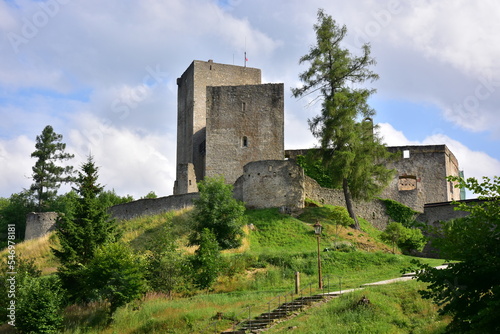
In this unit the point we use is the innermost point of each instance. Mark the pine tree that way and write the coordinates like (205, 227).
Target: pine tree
(82, 231)
(349, 149)
(48, 176)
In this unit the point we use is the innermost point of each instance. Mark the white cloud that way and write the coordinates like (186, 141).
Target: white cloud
(84, 69)
(130, 162)
(15, 164)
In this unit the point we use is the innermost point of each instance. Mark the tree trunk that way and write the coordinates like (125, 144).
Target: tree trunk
(348, 204)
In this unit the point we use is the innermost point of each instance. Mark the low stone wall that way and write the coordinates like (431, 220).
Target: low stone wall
(438, 212)
(373, 211)
(39, 223)
(152, 206)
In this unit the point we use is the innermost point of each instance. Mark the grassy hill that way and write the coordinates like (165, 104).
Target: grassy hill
(264, 267)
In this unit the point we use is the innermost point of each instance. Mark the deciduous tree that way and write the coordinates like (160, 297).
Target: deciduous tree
(469, 290)
(350, 150)
(217, 210)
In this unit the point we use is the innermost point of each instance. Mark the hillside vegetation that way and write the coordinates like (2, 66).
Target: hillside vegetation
(274, 248)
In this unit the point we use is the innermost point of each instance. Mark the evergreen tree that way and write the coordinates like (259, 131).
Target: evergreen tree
(82, 231)
(46, 174)
(350, 149)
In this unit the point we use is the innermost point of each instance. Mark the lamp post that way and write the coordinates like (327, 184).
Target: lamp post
(317, 231)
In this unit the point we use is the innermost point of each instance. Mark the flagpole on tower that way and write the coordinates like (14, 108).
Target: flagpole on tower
(246, 59)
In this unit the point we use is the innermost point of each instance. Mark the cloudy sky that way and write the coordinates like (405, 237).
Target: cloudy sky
(103, 74)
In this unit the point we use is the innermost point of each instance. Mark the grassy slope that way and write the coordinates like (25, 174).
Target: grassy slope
(279, 246)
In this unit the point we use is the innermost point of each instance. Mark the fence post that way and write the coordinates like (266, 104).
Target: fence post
(297, 282)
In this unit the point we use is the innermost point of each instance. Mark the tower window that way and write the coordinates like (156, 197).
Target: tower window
(244, 141)
(243, 106)
(406, 154)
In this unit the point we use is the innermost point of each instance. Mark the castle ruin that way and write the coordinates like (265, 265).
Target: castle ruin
(231, 124)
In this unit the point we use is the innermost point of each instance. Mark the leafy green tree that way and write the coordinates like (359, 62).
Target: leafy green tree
(406, 238)
(47, 175)
(469, 290)
(207, 260)
(217, 210)
(39, 302)
(115, 274)
(82, 231)
(151, 194)
(14, 211)
(349, 148)
(167, 268)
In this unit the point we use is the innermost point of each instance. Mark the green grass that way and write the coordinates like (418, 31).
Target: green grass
(264, 268)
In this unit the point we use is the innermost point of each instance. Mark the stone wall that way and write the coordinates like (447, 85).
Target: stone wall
(244, 124)
(439, 212)
(271, 184)
(152, 206)
(373, 211)
(420, 177)
(39, 223)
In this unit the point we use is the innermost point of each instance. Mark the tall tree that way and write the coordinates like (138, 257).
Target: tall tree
(82, 231)
(47, 175)
(350, 149)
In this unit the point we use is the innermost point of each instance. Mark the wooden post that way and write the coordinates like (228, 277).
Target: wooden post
(320, 279)
(297, 282)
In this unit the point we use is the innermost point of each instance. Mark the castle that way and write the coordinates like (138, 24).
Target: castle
(229, 123)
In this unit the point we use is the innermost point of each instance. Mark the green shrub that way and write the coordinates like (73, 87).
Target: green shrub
(407, 239)
(115, 274)
(342, 246)
(39, 305)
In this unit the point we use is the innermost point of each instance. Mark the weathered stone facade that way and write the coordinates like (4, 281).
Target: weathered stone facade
(244, 124)
(271, 184)
(192, 112)
(420, 178)
(39, 223)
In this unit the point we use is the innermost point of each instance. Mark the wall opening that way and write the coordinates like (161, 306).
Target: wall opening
(406, 154)
(244, 141)
(407, 182)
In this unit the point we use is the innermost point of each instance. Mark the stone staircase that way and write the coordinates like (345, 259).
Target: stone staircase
(286, 309)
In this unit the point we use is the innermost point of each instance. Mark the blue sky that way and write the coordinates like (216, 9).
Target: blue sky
(103, 74)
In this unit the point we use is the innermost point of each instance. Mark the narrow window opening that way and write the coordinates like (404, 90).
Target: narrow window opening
(244, 141)
(189, 182)
(243, 106)
(406, 154)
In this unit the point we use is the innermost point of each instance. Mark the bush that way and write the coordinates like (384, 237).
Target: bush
(342, 246)
(218, 211)
(207, 260)
(39, 305)
(407, 239)
(115, 274)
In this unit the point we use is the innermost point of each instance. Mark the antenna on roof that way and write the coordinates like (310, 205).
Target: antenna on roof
(246, 59)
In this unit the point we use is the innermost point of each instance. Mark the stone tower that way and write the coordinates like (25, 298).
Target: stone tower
(226, 118)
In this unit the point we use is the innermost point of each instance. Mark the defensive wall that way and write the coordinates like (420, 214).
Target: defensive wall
(263, 184)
